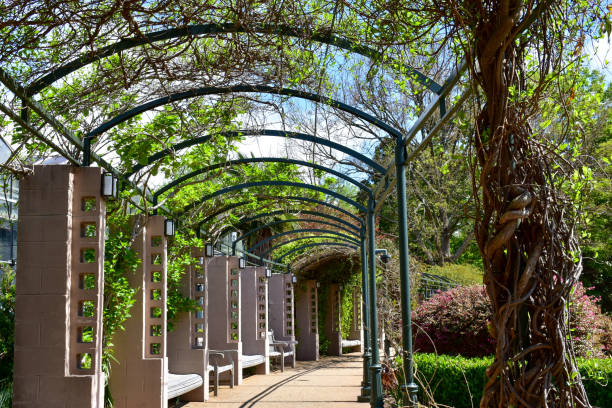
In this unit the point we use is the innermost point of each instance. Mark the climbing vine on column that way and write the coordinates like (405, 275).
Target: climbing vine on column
(527, 193)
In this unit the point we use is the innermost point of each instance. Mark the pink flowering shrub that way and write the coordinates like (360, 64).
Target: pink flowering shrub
(455, 322)
(591, 331)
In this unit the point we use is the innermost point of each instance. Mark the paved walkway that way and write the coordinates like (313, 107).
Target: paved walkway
(332, 382)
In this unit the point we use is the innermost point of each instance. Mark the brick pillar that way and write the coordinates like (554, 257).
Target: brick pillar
(333, 330)
(58, 316)
(281, 313)
(307, 321)
(224, 321)
(188, 342)
(139, 377)
(254, 315)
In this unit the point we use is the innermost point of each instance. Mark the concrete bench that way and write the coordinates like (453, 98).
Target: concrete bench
(350, 343)
(252, 360)
(179, 384)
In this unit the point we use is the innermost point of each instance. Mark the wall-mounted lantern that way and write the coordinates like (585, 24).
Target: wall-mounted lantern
(109, 185)
(293, 279)
(201, 260)
(242, 263)
(318, 284)
(209, 250)
(169, 228)
(268, 273)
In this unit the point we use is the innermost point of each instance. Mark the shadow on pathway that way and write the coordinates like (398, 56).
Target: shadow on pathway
(332, 382)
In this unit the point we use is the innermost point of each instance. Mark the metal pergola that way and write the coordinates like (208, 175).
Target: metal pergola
(362, 236)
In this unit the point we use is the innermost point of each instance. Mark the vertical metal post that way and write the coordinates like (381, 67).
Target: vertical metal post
(409, 387)
(376, 398)
(365, 384)
(86, 151)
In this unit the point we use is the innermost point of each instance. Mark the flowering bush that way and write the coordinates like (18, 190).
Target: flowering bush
(455, 322)
(589, 328)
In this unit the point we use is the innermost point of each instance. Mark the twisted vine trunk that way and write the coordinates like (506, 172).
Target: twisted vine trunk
(525, 231)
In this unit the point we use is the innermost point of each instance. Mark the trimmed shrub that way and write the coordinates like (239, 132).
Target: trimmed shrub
(459, 382)
(456, 322)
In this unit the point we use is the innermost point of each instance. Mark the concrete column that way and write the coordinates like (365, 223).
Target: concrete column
(58, 316)
(333, 329)
(307, 321)
(254, 315)
(356, 332)
(281, 309)
(139, 376)
(224, 319)
(188, 342)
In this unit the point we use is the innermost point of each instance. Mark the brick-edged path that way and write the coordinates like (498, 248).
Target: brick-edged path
(332, 382)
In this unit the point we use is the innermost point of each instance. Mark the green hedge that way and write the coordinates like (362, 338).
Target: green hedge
(448, 378)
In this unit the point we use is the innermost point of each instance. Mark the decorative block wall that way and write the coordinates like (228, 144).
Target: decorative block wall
(224, 317)
(333, 329)
(306, 320)
(281, 308)
(254, 316)
(356, 332)
(139, 376)
(58, 317)
(188, 342)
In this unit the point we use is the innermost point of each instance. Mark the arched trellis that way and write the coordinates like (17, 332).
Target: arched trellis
(298, 231)
(401, 159)
(294, 211)
(282, 183)
(220, 90)
(275, 247)
(279, 222)
(219, 28)
(275, 197)
(234, 162)
(356, 229)
(314, 244)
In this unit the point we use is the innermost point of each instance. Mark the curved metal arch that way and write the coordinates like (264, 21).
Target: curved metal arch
(219, 90)
(215, 166)
(218, 28)
(297, 198)
(298, 231)
(268, 251)
(314, 244)
(255, 132)
(271, 224)
(274, 183)
(293, 211)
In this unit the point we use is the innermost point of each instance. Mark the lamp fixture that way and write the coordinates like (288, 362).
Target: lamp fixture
(293, 279)
(169, 228)
(241, 263)
(109, 185)
(268, 273)
(209, 250)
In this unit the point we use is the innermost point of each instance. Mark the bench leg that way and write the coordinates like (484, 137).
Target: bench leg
(216, 385)
(232, 378)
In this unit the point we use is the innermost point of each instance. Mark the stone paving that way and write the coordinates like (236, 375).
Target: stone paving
(332, 382)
